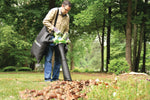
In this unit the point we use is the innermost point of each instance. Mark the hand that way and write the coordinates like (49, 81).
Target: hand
(56, 30)
(65, 36)
(55, 40)
(61, 40)
(68, 40)
(57, 35)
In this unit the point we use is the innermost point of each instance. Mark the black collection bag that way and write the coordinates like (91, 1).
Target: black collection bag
(40, 43)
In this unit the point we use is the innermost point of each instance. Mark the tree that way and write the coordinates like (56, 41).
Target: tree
(144, 37)
(128, 35)
(135, 38)
(95, 22)
(13, 48)
(89, 19)
(52, 4)
(24, 18)
(139, 23)
(102, 46)
(108, 38)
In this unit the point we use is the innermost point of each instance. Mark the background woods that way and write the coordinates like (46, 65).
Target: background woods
(106, 35)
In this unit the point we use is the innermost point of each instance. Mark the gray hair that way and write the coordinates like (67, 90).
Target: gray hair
(66, 2)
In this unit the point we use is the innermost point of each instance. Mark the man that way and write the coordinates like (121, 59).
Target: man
(61, 27)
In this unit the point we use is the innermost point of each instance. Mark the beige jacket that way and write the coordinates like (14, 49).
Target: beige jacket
(62, 23)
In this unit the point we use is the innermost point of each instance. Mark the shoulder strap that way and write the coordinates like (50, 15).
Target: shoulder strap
(56, 18)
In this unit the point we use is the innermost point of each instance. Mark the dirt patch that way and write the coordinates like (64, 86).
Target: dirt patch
(134, 75)
(101, 75)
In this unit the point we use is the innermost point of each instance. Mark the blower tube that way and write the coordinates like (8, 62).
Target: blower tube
(66, 73)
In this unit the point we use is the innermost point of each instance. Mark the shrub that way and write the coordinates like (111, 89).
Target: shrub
(9, 68)
(87, 70)
(24, 69)
(39, 67)
(118, 66)
(75, 70)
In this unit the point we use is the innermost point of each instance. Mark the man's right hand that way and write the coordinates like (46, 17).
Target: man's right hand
(59, 40)
(55, 40)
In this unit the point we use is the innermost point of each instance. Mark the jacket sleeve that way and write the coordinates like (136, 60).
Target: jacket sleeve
(49, 18)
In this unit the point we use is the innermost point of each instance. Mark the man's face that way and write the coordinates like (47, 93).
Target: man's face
(65, 9)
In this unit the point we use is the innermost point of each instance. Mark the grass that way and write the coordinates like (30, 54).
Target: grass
(12, 83)
(126, 90)
(127, 87)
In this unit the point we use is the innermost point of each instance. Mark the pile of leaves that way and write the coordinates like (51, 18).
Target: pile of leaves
(61, 90)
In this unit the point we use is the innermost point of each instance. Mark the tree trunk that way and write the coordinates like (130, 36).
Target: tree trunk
(102, 48)
(144, 53)
(134, 47)
(99, 38)
(52, 3)
(128, 35)
(108, 39)
(139, 49)
(71, 58)
(135, 40)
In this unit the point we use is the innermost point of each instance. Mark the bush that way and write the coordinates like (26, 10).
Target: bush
(9, 68)
(14, 45)
(87, 70)
(75, 70)
(118, 66)
(39, 67)
(24, 69)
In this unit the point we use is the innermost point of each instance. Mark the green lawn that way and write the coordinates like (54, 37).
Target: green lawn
(127, 87)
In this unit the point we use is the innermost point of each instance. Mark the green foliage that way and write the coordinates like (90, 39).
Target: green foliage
(138, 19)
(148, 58)
(81, 50)
(9, 68)
(118, 66)
(24, 69)
(14, 68)
(118, 45)
(76, 69)
(92, 16)
(21, 21)
(81, 70)
(14, 50)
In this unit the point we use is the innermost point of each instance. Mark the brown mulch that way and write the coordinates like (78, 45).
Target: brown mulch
(61, 90)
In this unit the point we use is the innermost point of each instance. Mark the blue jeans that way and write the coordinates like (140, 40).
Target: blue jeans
(48, 63)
